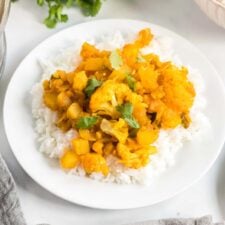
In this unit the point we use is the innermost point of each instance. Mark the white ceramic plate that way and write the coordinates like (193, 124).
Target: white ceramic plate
(192, 161)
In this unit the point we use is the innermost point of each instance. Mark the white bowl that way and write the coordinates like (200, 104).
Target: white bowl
(215, 9)
(193, 160)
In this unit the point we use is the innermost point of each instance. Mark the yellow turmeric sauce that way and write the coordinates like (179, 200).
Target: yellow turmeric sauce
(118, 101)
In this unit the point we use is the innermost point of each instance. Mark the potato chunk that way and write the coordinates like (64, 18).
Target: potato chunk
(69, 160)
(63, 101)
(74, 111)
(87, 134)
(97, 147)
(94, 64)
(80, 81)
(93, 162)
(80, 146)
(50, 100)
(146, 136)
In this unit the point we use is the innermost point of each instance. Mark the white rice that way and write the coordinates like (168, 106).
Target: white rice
(52, 141)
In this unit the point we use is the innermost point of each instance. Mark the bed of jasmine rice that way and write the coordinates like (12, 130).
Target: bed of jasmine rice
(52, 141)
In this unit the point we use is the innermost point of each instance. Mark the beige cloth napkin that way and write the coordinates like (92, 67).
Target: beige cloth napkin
(206, 220)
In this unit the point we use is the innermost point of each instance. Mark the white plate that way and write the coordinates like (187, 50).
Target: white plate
(192, 161)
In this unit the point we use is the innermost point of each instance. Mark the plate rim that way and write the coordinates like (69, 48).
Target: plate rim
(55, 192)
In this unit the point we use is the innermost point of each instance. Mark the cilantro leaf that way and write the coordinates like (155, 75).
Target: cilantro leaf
(126, 111)
(115, 60)
(91, 86)
(86, 122)
(132, 122)
(131, 82)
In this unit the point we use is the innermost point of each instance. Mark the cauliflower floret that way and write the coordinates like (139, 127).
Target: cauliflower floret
(108, 96)
(117, 129)
(136, 159)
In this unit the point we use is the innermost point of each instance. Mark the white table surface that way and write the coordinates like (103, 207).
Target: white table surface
(25, 30)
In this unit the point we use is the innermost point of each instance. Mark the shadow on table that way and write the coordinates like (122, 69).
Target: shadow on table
(221, 185)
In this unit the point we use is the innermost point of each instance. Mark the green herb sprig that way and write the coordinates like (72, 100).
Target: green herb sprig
(92, 84)
(126, 111)
(56, 8)
(86, 122)
(131, 82)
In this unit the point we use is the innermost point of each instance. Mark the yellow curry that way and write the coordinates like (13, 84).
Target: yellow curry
(118, 101)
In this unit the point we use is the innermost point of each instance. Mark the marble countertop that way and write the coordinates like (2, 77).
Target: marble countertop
(25, 30)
